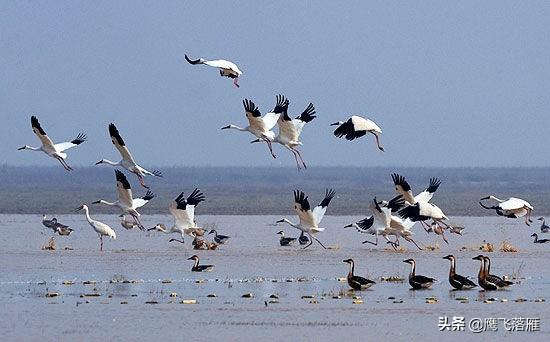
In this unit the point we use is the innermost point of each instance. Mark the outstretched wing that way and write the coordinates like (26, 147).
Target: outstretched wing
(183, 209)
(365, 224)
(75, 142)
(140, 202)
(120, 144)
(426, 195)
(124, 189)
(41, 134)
(403, 187)
(320, 210)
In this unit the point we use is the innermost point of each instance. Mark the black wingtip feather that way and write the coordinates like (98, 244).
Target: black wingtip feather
(251, 108)
(308, 114)
(80, 139)
(366, 223)
(36, 124)
(149, 196)
(329, 194)
(301, 198)
(348, 130)
(410, 212)
(396, 203)
(120, 177)
(282, 105)
(196, 197)
(434, 185)
(114, 133)
(400, 180)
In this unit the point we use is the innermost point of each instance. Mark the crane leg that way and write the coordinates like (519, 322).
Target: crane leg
(270, 147)
(378, 142)
(313, 237)
(295, 156)
(101, 243)
(235, 82)
(64, 164)
(300, 155)
(142, 181)
(176, 240)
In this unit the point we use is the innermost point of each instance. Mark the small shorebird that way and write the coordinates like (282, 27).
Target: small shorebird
(220, 239)
(199, 268)
(356, 127)
(285, 241)
(512, 207)
(456, 280)
(537, 240)
(418, 282)
(127, 162)
(58, 228)
(127, 224)
(100, 228)
(357, 282)
(544, 228)
(227, 68)
(309, 219)
(56, 151)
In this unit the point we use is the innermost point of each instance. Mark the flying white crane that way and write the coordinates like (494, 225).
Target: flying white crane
(356, 127)
(260, 126)
(127, 162)
(227, 68)
(183, 211)
(309, 219)
(126, 202)
(512, 208)
(403, 188)
(100, 228)
(290, 129)
(56, 151)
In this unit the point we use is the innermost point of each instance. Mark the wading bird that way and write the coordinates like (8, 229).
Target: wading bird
(127, 162)
(418, 282)
(220, 239)
(537, 240)
(512, 207)
(290, 129)
(356, 127)
(309, 219)
(199, 268)
(56, 151)
(259, 126)
(227, 68)
(100, 228)
(357, 282)
(285, 241)
(57, 227)
(183, 212)
(456, 280)
(126, 202)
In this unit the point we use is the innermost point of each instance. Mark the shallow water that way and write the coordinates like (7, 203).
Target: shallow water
(132, 269)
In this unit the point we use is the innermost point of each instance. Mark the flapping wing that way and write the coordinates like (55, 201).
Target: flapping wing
(140, 202)
(75, 142)
(320, 210)
(40, 133)
(183, 209)
(120, 144)
(365, 224)
(124, 189)
(307, 116)
(426, 195)
(402, 187)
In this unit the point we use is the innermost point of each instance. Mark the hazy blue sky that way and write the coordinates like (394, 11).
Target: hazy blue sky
(450, 83)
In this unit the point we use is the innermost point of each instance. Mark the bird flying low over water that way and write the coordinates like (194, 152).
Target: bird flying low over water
(309, 219)
(126, 202)
(183, 211)
(260, 126)
(356, 127)
(127, 162)
(512, 207)
(227, 68)
(56, 151)
(291, 129)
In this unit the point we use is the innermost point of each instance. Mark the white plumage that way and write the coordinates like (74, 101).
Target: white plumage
(513, 207)
(356, 127)
(227, 68)
(100, 228)
(56, 151)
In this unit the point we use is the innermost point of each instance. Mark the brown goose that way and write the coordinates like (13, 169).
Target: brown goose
(418, 282)
(456, 280)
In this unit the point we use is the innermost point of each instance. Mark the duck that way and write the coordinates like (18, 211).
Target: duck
(357, 282)
(456, 280)
(58, 228)
(286, 241)
(127, 224)
(537, 240)
(220, 239)
(500, 283)
(199, 268)
(418, 282)
(544, 228)
(481, 280)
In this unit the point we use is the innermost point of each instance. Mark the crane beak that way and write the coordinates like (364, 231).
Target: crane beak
(21, 148)
(99, 162)
(96, 202)
(226, 127)
(349, 226)
(335, 124)
(280, 221)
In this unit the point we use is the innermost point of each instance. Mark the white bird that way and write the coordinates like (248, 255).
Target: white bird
(309, 219)
(403, 188)
(260, 126)
(183, 211)
(100, 228)
(127, 162)
(227, 68)
(512, 208)
(356, 127)
(56, 151)
(290, 129)
(126, 202)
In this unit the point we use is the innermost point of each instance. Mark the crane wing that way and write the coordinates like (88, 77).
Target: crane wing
(41, 134)
(75, 142)
(120, 144)
(426, 195)
(124, 189)
(320, 210)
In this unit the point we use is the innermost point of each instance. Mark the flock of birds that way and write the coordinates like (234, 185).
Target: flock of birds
(394, 217)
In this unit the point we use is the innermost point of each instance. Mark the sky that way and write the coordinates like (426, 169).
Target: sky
(450, 83)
